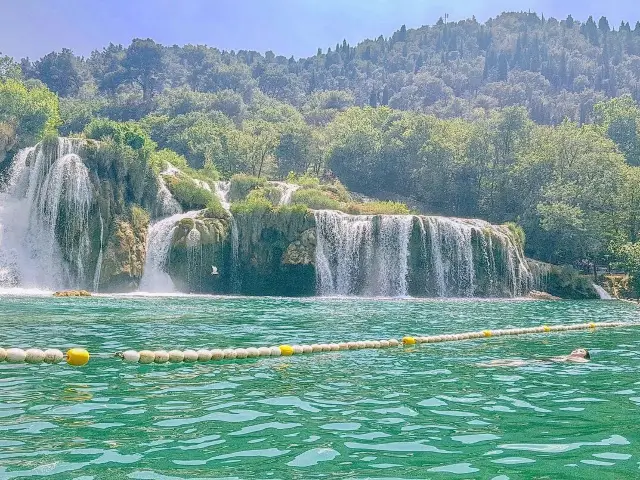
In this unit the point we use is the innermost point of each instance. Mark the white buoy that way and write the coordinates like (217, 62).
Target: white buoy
(343, 346)
(334, 347)
(384, 343)
(393, 342)
(53, 355)
(16, 355)
(34, 355)
(176, 356)
(316, 347)
(190, 356)
(229, 353)
(241, 353)
(368, 344)
(360, 344)
(252, 352)
(297, 349)
(264, 351)
(307, 349)
(130, 356)
(217, 354)
(162, 356)
(146, 356)
(275, 351)
(325, 347)
(352, 345)
(3, 354)
(204, 355)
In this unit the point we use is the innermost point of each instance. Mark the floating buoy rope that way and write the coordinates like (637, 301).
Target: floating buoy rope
(79, 356)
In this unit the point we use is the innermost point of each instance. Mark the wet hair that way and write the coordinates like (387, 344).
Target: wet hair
(587, 355)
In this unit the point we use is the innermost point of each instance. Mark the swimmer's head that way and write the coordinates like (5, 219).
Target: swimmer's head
(581, 353)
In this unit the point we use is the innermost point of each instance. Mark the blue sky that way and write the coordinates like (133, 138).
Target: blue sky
(288, 27)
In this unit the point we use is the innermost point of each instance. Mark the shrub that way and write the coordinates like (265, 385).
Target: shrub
(188, 194)
(126, 133)
(257, 204)
(338, 191)
(315, 199)
(517, 232)
(378, 208)
(215, 210)
(139, 218)
(242, 184)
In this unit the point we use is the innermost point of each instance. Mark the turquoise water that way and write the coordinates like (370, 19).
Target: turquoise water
(424, 412)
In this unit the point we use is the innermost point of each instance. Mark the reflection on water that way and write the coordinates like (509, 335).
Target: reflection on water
(424, 412)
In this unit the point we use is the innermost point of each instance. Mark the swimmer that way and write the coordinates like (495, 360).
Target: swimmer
(214, 270)
(579, 355)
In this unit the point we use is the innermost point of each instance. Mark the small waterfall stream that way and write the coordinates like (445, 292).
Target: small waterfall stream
(155, 278)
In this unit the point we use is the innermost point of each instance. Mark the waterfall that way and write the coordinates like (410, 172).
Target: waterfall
(222, 191)
(602, 293)
(98, 271)
(155, 279)
(286, 191)
(362, 255)
(165, 205)
(470, 257)
(44, 218)
(450, 257)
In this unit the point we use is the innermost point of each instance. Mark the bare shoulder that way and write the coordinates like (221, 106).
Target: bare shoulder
(504, 363)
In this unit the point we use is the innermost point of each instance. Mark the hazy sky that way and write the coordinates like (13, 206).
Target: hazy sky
(288, 27)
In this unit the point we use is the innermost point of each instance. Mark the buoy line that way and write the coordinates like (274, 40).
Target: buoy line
(80, 356)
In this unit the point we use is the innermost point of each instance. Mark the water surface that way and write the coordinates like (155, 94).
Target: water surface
(424, 412)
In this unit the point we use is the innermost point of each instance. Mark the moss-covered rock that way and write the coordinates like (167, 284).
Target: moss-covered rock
(276, 251)
(124, 256)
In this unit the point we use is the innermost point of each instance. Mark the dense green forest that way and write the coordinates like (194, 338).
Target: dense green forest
(521, 119)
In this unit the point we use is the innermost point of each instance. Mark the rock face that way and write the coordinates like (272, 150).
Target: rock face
(276, 252)
(124, 257)
(200, 244)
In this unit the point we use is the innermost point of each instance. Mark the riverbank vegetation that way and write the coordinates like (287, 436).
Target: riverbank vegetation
(521, 119)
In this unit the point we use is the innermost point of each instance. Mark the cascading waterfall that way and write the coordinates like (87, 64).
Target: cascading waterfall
(166, 205)
(44, 218)
(286, 191)
(362, 255)
(374, 256)
(155, 278)
(222, 191)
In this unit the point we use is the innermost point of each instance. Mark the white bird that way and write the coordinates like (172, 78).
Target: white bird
(214, 270)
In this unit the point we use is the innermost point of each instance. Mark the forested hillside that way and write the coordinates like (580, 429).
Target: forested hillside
(521, 119)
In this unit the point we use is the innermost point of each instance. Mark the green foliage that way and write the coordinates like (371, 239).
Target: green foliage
(33, 111)
(378, 208)
(214, 209)
(566, 282)
(139, 218)
(517, 232)
(315, 199)
(188, 194)
(256, 205)
(127, 133)
(242, 184)
(629, 255)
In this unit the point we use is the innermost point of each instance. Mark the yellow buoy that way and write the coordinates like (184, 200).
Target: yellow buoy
(409, 341)
(286, 350)
(592, 325)
(546, 328)
(77, 357)
(486, 333)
